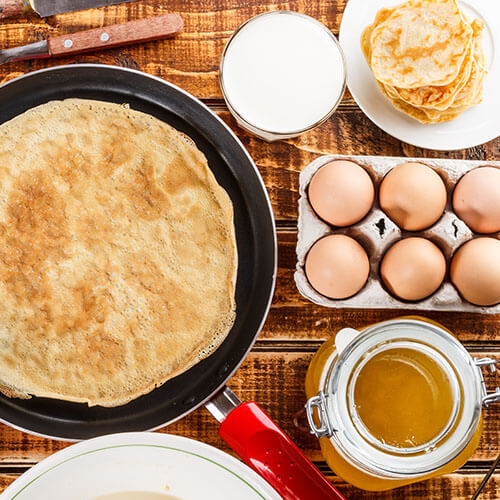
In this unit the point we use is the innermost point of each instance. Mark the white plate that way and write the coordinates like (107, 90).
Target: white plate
(475, 126)
(151, 462)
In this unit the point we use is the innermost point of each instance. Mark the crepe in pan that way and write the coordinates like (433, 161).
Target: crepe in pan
(117, 254)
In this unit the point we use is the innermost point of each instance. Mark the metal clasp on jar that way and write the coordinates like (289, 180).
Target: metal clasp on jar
(491, 397)
(319, 402)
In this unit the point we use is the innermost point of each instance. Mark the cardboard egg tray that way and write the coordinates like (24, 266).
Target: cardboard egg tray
(377, 232)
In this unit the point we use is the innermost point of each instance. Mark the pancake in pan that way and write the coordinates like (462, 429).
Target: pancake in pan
(117, 254)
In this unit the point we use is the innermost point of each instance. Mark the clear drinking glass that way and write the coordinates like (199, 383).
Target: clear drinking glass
(259, 130)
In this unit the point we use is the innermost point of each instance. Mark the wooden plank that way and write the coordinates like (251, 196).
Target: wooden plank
(6, 479)
(450, 486)
(275, 380)
(190, 61)
(293, 317)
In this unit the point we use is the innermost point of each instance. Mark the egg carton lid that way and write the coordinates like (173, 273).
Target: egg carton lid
(377, 232)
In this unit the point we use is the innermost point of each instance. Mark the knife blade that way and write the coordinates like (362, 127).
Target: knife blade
(52, 7)
(143, 30)
(45, 8)
(31, 51)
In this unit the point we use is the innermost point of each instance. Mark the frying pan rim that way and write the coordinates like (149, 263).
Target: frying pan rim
(268, 206)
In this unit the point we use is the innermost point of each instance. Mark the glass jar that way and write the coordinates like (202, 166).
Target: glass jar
(358, 455)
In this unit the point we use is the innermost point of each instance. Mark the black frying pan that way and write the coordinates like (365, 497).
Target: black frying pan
(256, 241)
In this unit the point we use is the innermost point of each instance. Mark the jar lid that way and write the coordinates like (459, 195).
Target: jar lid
(338, 414)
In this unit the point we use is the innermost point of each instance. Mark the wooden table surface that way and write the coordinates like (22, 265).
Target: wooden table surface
(273, 374)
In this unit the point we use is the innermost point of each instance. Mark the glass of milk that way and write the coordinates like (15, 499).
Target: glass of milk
(282, 73)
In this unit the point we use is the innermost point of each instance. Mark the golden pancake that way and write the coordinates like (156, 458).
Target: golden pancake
(117, 254)
(421, 115)
(435, 96)
(474, 87)
(441, 98)
(468, 96)
(423, 42)
(380, 17)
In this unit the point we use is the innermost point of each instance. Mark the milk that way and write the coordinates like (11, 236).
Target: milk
(282, 73)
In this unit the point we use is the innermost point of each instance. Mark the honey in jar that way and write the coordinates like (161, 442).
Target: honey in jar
(409, 417)
(396, 403)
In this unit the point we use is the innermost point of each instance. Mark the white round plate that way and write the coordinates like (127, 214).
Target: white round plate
(147, 462)
(475, 126)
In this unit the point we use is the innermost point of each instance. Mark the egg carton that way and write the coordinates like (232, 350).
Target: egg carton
(377, 232)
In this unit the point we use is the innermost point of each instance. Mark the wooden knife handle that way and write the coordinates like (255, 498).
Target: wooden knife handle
(144, 30)
(11, 8)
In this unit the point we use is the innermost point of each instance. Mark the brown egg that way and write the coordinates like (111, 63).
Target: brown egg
(337, 266)
(413, 268)
(341, 193)
(475, 271)
(476, 199)
(413, 196)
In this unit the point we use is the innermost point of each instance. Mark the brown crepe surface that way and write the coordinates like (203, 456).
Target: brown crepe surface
(117, 254)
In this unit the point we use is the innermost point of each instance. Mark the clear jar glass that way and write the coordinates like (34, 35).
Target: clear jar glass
(360, 457)
(280, 82)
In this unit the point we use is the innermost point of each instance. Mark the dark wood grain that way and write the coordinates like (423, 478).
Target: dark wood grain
(6, 479)
(449, 487)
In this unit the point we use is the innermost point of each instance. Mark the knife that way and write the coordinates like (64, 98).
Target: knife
(44, 8)
(144, 30)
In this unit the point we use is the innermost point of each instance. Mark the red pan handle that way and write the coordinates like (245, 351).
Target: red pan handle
(265, 448)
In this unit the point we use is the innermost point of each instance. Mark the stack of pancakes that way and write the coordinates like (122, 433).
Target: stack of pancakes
(427, 58)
